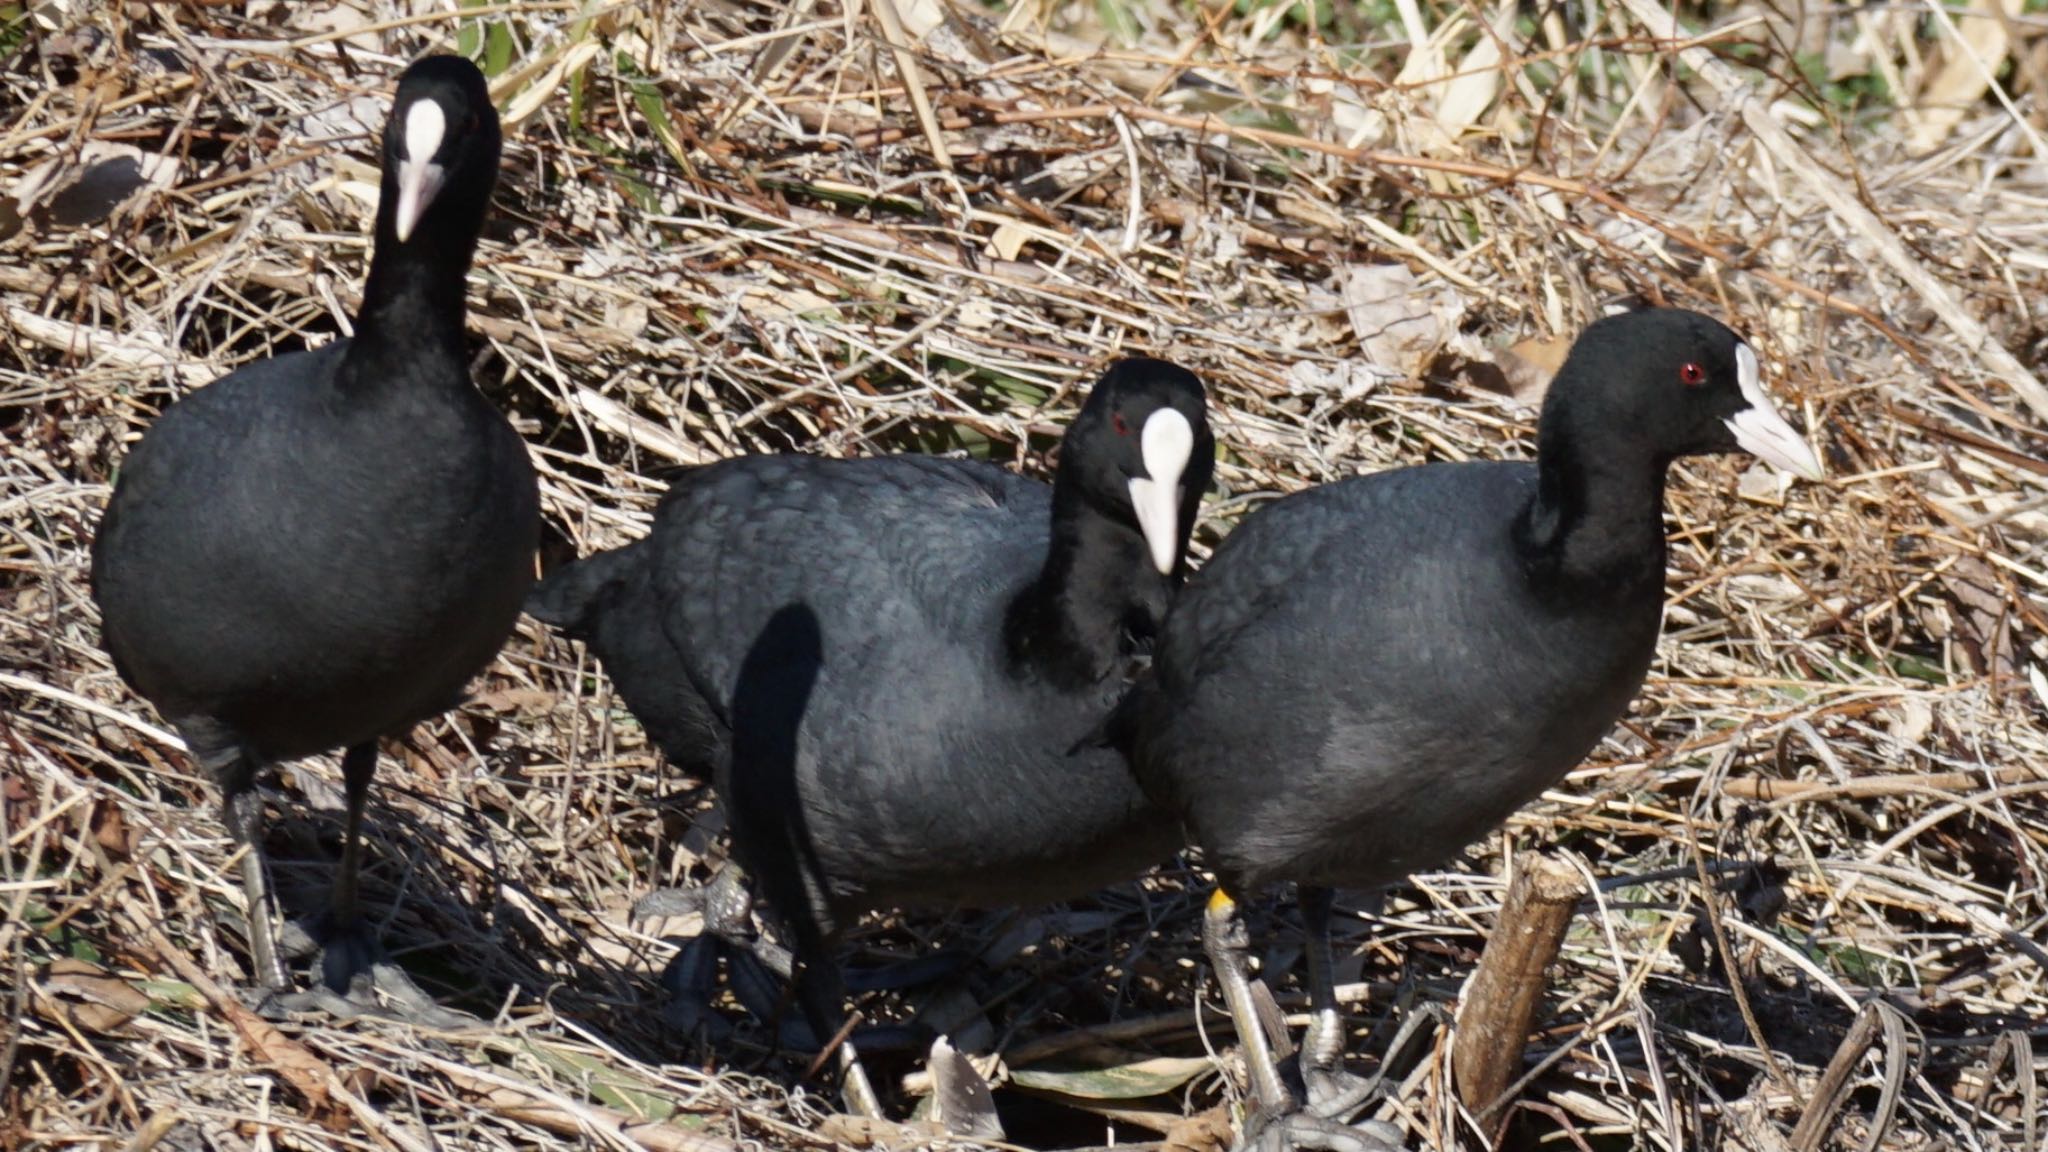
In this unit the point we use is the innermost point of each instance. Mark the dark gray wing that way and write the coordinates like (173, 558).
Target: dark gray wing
(900, 554)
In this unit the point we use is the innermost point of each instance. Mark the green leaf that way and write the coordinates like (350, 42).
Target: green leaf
(172, 994)
(647, 98)
(469, 35)
(1120, 19)
(606, 1084)
(1842, 668)
(13, 28)
(849, 197)
(976, 443)
(1017, 391)
(576, 82)
(498, 48)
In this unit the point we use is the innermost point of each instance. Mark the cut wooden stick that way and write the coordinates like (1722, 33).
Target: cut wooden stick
(1499, 1005)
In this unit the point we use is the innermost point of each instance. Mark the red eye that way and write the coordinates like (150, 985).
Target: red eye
(471, 126)
(1692, 375)
(1116, 421)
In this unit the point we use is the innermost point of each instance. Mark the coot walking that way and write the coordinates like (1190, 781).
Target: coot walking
(322, 548)
(1370, 674)
(884, 662)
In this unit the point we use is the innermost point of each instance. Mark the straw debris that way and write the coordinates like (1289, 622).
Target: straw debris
(1816, 845)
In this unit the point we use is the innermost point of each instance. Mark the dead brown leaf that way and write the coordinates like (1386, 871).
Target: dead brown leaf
(111, 831)
(1530, 365)
(1206, 1131)
(69, 191)
(961, 1100)
(1983, 617)
(1399, 321)
(859, 1131)
(307, 1074)
(15, 794)
(87, 997)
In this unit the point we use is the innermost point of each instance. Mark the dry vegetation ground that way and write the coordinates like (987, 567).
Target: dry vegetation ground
(725, 225)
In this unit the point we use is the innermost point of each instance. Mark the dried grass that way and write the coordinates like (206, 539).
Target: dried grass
(724, 227)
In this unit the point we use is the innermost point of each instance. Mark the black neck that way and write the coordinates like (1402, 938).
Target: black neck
(1596, 524)
(410, 325)
(1097, 591)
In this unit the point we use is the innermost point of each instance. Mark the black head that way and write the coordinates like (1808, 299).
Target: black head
(440, 150)
(1663, 383)
(1141, 452)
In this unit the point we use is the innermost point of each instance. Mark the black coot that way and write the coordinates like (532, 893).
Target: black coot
(322, 548)
(884, 662)
(1369, 675)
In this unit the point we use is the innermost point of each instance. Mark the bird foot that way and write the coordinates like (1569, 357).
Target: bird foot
(1335, 1094)
(357, 980)
(728, 911)
(381, 992)
(1304, 1131)
(724, 902)
(691, 980)
(296, 941)
(349, 952)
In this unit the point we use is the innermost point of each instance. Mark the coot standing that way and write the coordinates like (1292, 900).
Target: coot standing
(1369, 675)
(321, 548)
(885, 661)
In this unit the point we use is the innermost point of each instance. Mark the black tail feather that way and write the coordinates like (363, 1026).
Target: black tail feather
(571, 596)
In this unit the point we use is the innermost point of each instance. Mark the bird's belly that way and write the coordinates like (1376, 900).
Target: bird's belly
(381, 690)
(937, 833)
(295, 669)
(1360, 820)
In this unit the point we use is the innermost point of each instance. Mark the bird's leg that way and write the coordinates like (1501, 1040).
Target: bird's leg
(1228, 943)
(760, 968)
(349, 951)
(1280, 1125)
(1331, 1090)
(823, 994)
(353, 968)
(1322, 1046)
(242, 812)
(729, 916)
(760, 972)
(729, 907)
